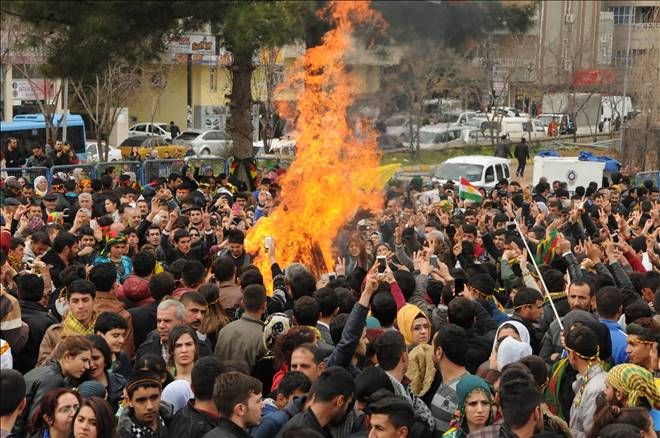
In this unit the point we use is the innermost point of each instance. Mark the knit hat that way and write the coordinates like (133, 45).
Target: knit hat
(635, 382)
(275, 326)
(405, 319)
(91, 388)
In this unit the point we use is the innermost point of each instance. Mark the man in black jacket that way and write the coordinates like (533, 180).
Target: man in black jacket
(35, 315)
(528, 309)
(522, 155)
(200, 414)
(238, 399)
(62, 254)
(14, 156)
(333, 396)
(144, 317)
(70, 362)
(462, 312)
(169, 314)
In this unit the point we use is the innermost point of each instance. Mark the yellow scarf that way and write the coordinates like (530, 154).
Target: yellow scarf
(71, 326)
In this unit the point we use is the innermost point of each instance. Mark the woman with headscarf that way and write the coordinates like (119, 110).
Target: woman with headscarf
(514, 348)
(475, 407)
(414, 325)
(40, 186)
(114, 252)
(515, 329)
(511, 350)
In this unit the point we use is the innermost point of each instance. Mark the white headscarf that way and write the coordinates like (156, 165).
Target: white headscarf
(520, 327)
(511, 350)
(38, 192)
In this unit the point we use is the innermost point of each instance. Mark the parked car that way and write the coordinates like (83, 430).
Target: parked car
(456, 118)
(161, 129)
(282, 146)
(147, 144)
(398, 126)
(440, 137)
(205, 142)
(471, 135)
(480, 170)
(92, 150)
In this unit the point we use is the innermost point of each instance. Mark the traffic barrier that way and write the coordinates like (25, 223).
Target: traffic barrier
(217, 165)
(86, 170)
(153, 169)
(29, 173)
(131, 167)
(143, 172)
(266, 162)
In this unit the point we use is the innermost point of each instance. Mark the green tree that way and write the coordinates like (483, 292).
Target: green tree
(83, 39)
(244, 28)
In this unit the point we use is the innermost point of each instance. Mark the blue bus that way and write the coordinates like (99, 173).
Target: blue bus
(30, 129)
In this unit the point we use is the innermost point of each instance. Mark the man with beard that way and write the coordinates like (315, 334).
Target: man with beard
(580, 296)
(62, 254)
(333, 396)
(196, 217)
(196, 308)
(236, 249)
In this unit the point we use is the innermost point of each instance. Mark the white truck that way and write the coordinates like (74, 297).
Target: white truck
(570, 169)
(611, 109)
(585, 108)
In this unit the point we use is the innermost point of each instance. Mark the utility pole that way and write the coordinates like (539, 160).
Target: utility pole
(625, 79)
(65, 104)
(8, 108)
(189, 115)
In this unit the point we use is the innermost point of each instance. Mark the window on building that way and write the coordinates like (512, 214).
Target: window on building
(605, 49)
(620, 57)
(622, 14)
(647, 14)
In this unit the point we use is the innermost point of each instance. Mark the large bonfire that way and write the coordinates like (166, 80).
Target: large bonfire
(336, 169)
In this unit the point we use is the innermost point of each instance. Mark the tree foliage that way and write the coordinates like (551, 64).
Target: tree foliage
(83, 38)
(452, 23)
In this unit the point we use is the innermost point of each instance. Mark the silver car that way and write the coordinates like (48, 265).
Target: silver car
(205, 142)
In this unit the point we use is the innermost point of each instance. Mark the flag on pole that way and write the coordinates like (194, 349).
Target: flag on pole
(545, 250)
(468, 191)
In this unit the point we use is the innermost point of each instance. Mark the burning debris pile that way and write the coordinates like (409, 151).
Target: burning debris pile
(336, 169)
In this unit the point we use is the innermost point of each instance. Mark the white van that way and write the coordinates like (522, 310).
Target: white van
(513, 127)
(481, 170)
(518, 127)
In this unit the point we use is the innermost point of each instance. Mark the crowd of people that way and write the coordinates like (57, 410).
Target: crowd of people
(56, 153)
(133, 311)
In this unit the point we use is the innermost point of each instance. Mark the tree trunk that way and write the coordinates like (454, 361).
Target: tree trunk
(240, 107)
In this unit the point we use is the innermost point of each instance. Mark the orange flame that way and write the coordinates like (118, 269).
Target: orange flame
(335, 171)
